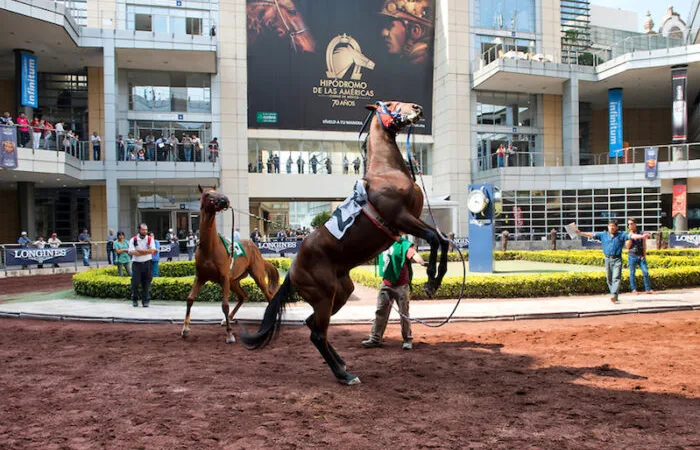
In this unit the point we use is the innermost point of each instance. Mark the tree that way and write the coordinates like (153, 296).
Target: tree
(320, 219)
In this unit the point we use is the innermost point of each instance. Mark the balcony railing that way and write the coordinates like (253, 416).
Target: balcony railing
(515, 159)
(636, 155)
(38, 138)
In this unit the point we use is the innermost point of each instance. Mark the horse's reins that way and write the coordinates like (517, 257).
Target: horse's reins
(393, 121)
(290, 31)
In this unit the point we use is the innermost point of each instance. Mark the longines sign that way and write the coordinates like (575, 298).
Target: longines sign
(684, 240)
(27, 256)
(279, 247)
(314, 65)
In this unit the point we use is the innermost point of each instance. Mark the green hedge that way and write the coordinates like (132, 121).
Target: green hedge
(545, 285)
(671, 270)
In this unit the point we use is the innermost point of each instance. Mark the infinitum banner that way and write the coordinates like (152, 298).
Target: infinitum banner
(314, 65)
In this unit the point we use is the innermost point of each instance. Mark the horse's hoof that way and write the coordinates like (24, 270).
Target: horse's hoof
(429, 290)
(231, 340)
(185, 333)
(352, 381)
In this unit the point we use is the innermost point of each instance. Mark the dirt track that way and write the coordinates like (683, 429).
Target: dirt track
(613, 382)
(37, 283)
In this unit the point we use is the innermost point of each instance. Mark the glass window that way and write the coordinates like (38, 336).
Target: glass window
(178, 25)
(514, 15)
(142, 22)
(169, 92)
(194, 26)
(509, 109)
(160, 24)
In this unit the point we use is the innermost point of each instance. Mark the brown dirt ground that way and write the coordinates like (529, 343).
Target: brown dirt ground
(38, 283)
(609, 382)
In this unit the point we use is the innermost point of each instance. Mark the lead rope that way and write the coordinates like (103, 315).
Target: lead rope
(233, 245)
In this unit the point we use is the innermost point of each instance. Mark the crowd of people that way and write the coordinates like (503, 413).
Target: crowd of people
(316, 165)
(40, 133)
(152, 147)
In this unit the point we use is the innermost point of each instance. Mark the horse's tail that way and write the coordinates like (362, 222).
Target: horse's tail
(272, 320)
(273, 277)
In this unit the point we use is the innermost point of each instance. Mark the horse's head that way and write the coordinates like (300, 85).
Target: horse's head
(213, 201)
(394, 116)
(282, 18)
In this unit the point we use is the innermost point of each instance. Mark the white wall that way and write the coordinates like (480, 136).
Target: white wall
(619, 19)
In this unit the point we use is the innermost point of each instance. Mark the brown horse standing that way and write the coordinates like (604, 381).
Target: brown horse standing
(212, 263)
(320, 273)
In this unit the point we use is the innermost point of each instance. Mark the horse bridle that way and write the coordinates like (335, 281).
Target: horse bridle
(290, 31)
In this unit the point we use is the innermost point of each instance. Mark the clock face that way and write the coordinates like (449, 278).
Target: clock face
(476, 202)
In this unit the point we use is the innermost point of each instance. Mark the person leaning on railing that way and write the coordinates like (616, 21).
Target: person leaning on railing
(54, 242)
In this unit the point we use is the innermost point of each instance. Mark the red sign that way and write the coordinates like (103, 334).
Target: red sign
(680, 204)
(518, 213)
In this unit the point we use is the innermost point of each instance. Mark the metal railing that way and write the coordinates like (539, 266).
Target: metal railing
(520, 53)
(516, 159)
(324, 166)
(134, 152)
(41, 138)
(636, 155)
(649, 42)
(97, 255)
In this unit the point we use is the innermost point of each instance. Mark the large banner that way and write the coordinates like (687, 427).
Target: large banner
(314, 65)
(615, 123)
(651, 160)
(8, 141)
(29, 95)
(679, 78)
(168, 250)
(27, 256)
(680, 200)
(276, 247)
(684, 240)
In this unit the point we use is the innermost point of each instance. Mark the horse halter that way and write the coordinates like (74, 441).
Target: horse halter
(220, 203)
(394, 121)
(290, 31)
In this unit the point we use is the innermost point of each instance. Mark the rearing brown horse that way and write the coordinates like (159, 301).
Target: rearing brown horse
(320, 272)
(212, 263)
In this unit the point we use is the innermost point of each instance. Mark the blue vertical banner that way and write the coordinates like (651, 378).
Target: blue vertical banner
(651, 161)
(8, 147)
(30, 96)
(615, 123)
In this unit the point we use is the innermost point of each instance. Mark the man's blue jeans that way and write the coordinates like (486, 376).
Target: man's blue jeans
(613, 274)
(188, 154)
(86, 256)
(642, 262)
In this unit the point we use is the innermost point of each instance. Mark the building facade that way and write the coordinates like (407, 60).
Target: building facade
(280, 86)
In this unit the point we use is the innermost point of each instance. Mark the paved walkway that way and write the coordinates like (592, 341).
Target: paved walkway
(361, 309)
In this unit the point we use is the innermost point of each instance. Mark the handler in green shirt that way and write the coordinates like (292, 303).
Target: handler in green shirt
(395, 269)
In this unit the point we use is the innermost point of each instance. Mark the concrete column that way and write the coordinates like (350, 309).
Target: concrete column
(112, 185)
(110, 103)
(27, 110)
(570, 121)
(26, 202)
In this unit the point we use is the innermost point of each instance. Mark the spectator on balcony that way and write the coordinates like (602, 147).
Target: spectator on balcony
(269, 163)
(300, 164)
(276, 162)
(6, 119)
(346, 165)
(96, 143)
(60, 135)
(138, 145)
(48, 134)
(37, 128)
(197, 146)
(187, 144)
(23, 124)
(54, 242)
(173, 154)
(501, 154)
(150, 143)
(74, 143)
(142, 155)
(510, 155)
(133, 156)
(356, 165)
(130, 146)
(260, 164)
(160, 149)
(121, 148)
(329, 167)
(288, 165)
(314, 164)
(213, 150)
